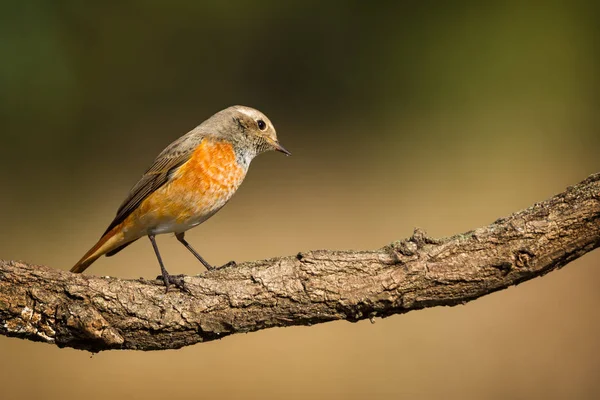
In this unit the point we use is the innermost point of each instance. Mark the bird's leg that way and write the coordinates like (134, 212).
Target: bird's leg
(181, 237)
(167, 279)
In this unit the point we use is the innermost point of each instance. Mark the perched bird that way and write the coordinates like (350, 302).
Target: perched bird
(188, 183)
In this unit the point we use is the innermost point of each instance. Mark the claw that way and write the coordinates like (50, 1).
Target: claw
(227, 265)
(176, 280)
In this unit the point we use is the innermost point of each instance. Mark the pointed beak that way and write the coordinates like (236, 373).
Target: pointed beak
(280, 148)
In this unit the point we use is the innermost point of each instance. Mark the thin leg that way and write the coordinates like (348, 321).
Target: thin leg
(167, 279)
(181, 238)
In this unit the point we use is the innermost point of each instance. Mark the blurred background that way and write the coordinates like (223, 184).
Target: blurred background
(441, 115)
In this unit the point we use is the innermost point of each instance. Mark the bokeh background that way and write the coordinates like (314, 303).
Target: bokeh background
(442, 115)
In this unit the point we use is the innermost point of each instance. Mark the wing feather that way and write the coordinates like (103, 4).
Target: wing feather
(161, 172)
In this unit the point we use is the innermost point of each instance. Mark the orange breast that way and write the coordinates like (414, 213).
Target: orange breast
(197, 190)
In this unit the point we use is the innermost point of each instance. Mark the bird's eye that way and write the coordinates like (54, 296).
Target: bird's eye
(261, 125)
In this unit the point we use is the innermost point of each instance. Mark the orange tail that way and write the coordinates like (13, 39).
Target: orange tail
(108, 242)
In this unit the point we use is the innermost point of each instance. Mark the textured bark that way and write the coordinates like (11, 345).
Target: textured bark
(100, 313)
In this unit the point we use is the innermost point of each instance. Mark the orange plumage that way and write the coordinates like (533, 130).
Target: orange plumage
(199, 188)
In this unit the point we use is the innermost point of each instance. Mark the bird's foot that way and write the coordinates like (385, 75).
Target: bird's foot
(227, 265)
(176, 280)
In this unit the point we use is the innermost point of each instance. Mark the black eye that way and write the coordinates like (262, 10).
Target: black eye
(261, 125)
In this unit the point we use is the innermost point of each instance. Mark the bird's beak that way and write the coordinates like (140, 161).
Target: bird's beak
(280, 148)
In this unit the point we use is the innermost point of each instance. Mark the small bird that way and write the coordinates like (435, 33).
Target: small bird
(188, 183)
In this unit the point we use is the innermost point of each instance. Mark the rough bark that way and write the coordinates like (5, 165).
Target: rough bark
(101, 313)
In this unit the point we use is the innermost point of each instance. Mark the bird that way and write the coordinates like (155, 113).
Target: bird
(188, 182)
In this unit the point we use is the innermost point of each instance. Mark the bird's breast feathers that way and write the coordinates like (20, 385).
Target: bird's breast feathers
(196, 190)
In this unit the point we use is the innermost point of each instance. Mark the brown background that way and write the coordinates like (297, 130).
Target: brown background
(440, 116)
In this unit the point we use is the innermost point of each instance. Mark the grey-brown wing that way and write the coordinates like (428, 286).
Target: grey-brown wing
(173, 157)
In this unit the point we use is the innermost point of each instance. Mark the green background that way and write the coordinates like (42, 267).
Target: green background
(442, 115)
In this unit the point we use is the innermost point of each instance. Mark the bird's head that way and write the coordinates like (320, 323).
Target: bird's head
(248, 128)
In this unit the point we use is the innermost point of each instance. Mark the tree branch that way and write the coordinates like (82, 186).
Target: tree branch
(100, 313)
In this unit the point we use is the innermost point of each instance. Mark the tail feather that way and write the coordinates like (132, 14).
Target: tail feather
(118, 249)
(107, 243)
